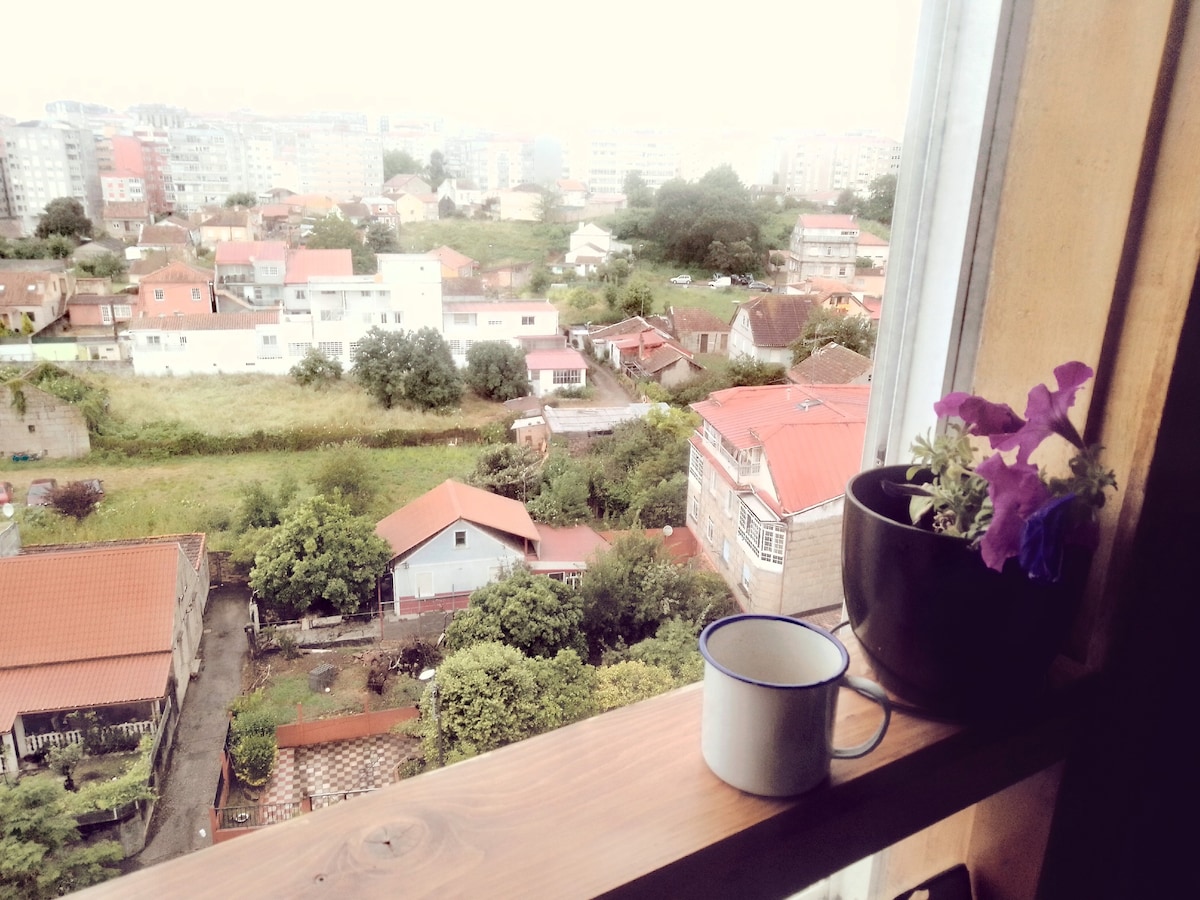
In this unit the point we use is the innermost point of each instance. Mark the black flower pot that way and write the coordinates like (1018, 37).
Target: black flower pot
(940, 629)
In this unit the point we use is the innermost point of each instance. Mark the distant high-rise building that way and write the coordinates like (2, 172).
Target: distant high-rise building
(493, 163)
(203, 166)
(820, 163)
(603, 159)
(40, 162)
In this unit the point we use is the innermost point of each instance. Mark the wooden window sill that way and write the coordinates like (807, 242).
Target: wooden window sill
(623, 805)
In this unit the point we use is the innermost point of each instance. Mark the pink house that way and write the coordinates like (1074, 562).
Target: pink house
(175, 290)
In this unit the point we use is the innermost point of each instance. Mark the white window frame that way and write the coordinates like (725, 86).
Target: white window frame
(195, 293)
(160, 294)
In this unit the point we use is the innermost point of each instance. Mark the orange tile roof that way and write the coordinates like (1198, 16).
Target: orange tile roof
(193, 545)
(449, 502)
(566, 358)
(177, 273)
(688, 319)
(486, 306)
(126, 209)
(304, 264)
(811, 436)
(831, 364)
(163, 235)
(53, 650)
(576, 544)
(776, 320)
(234, 253)
(818, 220)
(451, 258)
(207, 321)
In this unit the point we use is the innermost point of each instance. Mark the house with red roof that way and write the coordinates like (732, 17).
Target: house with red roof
(167, 236)
(832, 364)
(229, 225)
(303, 264)
(554, 370)
(456, 538)
(767, 474)
(454, 264)
(176, 289)
(252, 271)
(764, 328)
(127, 653)
(125, 219)
(650, 355)
(416, 207)
(34, 298)
(698, 330)
(220, 343)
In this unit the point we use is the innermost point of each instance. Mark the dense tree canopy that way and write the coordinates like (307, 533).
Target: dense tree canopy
(510, 470)
(709, 223)
(105, 265)
(321, 557)
(413, 369)
(381, 238)
(496, 371)
(40, 853)
(535, 614)
(856, 333)
(490, 695)
(65, 216)
(335, 233)
(240, 198)
(637, 192)
(399, 162)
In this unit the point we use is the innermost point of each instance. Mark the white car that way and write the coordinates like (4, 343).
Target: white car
(682, 279)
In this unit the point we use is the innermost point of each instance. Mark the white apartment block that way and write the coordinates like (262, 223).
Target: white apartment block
(42, 162)
(602, 159)
(492, 163)
(465, 324)
(819, 163)
(823, 246)
(204, 166)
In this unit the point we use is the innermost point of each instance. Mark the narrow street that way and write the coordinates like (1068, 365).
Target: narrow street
(609, 391)
(180, 824)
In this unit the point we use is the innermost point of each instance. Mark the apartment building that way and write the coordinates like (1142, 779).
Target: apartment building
(823, 246)
(40, 162)
(602, 159)
(766, 478)
(491, 162)
(819, 163)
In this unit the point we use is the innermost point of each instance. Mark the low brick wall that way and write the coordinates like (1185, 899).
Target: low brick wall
(344, 728)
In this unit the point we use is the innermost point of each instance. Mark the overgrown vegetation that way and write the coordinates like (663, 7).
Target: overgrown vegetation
(253, 748)
(413, 369)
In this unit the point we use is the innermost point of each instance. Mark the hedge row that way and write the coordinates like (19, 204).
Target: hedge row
(165, 441)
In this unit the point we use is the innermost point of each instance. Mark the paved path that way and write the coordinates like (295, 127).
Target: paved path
(187, 792)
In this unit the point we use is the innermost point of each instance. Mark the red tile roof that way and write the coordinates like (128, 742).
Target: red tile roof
(566, 358)
(449, 502)
(242, 253)
(304, 264)
(451, 258)
(192, 545)
(692, 319)
(777, 320)
(120, 639)
(831, 364)
(228, 218)
(666, 355)
(625, 326)
(576, 544)
(486, 306)
(126, 209)
(866, 239)
(177, 273)
(811, 436)
(15, 288)
(163, 235)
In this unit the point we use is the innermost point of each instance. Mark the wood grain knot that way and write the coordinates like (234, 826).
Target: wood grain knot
(394, 839)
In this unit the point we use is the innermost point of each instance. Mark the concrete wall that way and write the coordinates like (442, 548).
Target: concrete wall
(49, 426)
(454, 569)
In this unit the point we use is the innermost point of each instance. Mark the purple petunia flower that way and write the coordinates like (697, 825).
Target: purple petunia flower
(1043, 539)
(1046, 413)
(1017, 492)
(983, 417)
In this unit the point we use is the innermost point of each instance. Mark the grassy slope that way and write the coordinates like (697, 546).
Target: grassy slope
(488, 242)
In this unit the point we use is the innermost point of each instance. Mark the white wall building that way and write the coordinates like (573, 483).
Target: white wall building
(466, 323)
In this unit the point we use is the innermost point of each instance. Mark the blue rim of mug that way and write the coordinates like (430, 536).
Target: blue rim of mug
(713, 627)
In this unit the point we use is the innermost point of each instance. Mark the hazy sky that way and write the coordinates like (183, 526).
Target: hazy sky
(528, 65)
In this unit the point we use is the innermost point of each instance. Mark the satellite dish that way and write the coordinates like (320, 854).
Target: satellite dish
(668, 531)
(7, 509)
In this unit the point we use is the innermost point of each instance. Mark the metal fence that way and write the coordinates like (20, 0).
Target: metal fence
(256, 816)
(322, 800)
(36, 742)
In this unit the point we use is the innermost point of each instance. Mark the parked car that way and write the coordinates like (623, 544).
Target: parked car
(760, 286)
(39, 492)
(682, 279)
(720, 281)
(742, 279)
(6, 492)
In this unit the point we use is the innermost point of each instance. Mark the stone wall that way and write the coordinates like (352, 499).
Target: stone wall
(49, 426)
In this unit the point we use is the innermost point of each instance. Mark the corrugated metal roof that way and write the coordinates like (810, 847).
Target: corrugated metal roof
(446, 504)
(595, 419)
(566, 358)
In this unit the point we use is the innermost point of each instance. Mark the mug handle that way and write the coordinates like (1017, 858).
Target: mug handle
(873, 692)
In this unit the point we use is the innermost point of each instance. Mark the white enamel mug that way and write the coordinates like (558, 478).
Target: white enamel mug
(770, 701)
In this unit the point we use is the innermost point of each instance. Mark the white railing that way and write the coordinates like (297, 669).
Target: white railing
(36, 742)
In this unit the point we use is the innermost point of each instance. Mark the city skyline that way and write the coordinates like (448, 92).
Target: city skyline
(532, 69)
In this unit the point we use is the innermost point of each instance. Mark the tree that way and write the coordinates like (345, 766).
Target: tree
(399, 162)
(824, 326)
(40, 853)
(316, 370)
(59, 247)
(490, 695)
(344, 474)
(848, 203)
(548, 206)
(864, 262)
(105, 265)
(446, 208)
(637, 299)
(533, 613)
(510, 470)
(637, 192)
(746, 371)
(76, 499)
(566, 487)
(628, 682)
(335, 233)
(539, 281)
(436, 172)
(881, 198)
(412, 369)
(712, 219)
(381, 238)
(262, 508)
(496, 371)
(64, 216)
(241, 198)
(321, 556)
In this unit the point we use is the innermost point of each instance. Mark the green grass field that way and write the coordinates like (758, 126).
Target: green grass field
(488, 242)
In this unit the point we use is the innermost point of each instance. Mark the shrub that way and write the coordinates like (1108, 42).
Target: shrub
(76, 499)
(254, 758)
(258, 720)
(316, 370)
